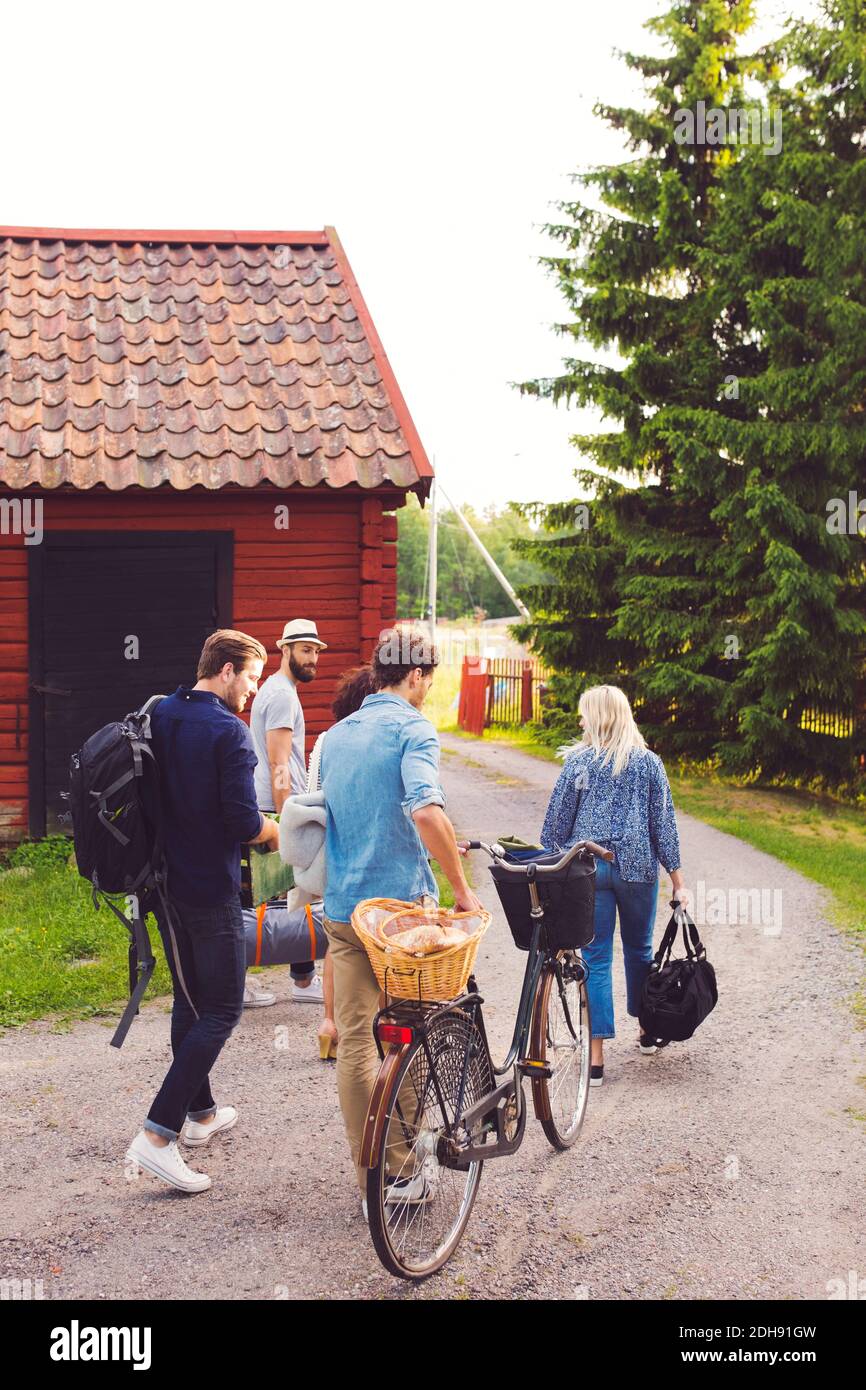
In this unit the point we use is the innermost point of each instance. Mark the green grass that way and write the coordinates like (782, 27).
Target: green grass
(58, 955)
(446, 892)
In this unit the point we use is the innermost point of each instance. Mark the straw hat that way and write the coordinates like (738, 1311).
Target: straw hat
(301, 630)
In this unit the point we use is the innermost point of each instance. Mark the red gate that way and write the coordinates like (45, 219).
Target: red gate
(498, 691)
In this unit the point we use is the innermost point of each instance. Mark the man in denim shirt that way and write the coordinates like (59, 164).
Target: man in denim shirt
(380, 778)
(206, 762)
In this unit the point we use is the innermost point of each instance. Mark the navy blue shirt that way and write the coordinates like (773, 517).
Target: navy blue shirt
(206, 761)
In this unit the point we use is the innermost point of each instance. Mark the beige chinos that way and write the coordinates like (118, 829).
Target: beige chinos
(356, 1002)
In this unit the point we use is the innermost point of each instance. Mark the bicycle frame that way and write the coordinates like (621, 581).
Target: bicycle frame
(456, 1148)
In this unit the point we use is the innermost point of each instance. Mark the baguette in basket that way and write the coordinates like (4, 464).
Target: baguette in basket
(423, 931)
(419, 953)
(419, 940)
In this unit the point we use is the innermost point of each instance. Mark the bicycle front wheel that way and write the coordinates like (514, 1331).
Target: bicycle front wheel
(416, 1207)
(561, 1037)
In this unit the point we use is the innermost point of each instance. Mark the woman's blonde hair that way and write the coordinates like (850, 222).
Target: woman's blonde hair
(608, 726)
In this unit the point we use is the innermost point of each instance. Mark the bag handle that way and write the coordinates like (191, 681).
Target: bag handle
(666, 944)
(696, 950)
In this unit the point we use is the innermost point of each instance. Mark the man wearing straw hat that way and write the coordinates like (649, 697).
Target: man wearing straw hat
(279, 739)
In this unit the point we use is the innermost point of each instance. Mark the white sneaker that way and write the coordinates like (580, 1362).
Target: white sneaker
(411, 1192)
(257, 998)
(165, 1163)
(197, 1134)
(309, 994)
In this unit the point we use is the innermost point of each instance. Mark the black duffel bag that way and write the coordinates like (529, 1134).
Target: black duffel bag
(678, 994)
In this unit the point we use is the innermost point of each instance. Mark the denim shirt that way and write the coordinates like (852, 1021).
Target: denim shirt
(378, 765)
(632, 814)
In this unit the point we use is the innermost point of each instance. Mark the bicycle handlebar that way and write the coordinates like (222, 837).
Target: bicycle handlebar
(498, 853)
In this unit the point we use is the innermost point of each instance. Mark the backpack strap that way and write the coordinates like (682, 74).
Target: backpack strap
(159, 885)
(142, 961)
(145, 712)
(141, 966)
(150, 705)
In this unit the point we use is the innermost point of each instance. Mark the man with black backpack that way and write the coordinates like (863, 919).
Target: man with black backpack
(206, 762)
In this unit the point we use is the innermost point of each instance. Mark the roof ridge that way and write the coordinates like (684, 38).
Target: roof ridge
(173, 237)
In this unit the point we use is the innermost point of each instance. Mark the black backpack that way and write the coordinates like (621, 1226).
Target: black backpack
(116, 811)
(678, 994)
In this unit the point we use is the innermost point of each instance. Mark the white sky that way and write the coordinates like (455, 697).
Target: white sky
(435, 139)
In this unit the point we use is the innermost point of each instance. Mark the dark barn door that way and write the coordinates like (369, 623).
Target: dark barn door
(113, 619)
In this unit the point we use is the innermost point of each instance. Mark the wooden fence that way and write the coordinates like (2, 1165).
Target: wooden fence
(828, 722)
(499, 691)
(507, 691)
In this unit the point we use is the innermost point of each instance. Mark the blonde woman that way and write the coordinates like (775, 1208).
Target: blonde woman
(613, 790)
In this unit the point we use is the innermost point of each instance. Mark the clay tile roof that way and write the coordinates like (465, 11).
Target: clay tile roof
(144, 358)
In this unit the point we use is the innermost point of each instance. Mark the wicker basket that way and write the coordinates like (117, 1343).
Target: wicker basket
(439, 976)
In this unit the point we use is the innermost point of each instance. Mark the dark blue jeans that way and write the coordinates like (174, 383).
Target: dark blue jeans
(212, 951)
(637, 914)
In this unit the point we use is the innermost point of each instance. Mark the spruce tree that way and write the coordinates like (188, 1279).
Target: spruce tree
(634, 601)
(789, 236)
(723, 604)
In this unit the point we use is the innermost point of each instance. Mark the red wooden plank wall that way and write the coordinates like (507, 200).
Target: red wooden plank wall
(336, 563)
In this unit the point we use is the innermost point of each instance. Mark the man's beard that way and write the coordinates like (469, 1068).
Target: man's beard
(301, 673)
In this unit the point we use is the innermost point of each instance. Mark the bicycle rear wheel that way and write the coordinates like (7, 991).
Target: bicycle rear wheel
(417, 1208)
(561, 1037)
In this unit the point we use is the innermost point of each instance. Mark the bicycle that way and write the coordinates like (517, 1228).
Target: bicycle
(440, 1107)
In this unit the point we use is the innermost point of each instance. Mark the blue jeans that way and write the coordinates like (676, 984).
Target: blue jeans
(637, 914)
(212, 950)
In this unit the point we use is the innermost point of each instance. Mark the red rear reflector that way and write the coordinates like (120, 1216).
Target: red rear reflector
(394, 1033)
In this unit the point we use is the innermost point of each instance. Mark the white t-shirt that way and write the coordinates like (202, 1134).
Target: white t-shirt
(277, 706)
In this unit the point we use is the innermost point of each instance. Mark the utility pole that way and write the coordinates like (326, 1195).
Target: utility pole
(433, 558)
(488, 558)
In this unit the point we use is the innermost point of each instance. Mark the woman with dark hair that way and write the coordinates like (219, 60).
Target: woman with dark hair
(353, 688)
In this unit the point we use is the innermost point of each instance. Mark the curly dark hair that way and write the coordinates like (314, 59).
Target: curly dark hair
(353, 688)
(400, 650)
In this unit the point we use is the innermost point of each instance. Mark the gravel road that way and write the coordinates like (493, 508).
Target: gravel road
(730, 1166)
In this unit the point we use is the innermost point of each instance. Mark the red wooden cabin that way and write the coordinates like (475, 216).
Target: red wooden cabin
(197, 430)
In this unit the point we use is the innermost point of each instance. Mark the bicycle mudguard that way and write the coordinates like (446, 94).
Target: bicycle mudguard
(371, 1141)
(537, 1050)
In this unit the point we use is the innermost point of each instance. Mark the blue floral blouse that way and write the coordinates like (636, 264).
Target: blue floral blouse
(632, 814)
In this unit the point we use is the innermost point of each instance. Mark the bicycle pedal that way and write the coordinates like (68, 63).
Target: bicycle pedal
(538, 1070)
